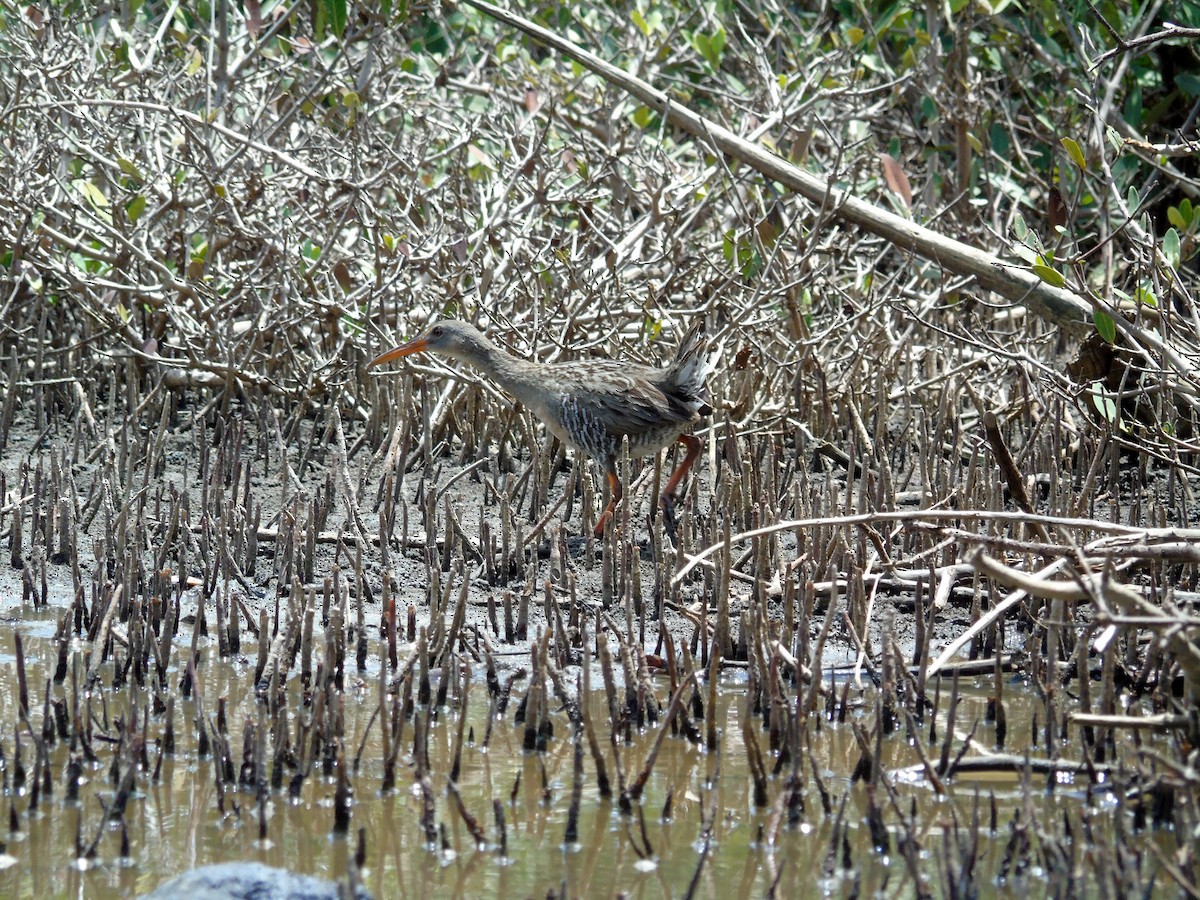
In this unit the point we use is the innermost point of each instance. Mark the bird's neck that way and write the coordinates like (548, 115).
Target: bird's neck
(519, 377)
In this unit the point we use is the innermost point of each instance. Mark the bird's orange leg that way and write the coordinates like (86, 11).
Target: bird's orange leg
(615, 492)
(694, 446)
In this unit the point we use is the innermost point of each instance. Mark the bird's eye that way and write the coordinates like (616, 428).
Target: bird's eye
(438, 331)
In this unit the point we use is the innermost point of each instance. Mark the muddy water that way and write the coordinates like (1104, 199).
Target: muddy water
(173, 822)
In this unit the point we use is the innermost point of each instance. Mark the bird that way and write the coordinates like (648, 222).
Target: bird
(593, 405)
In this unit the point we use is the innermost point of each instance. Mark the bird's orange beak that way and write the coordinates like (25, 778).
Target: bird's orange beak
(414, 346)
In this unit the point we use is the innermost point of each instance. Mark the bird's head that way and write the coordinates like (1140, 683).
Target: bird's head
(458, 340)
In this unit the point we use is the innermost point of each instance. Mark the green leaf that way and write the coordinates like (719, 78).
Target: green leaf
(1051, 276)
(1074, 152)
(712, 48)
(1000, 141)
(1175, 217)
(1019, 228)
(94, 195)
(647, 23)
(1133, 200)
(129, 168)
(1170, 247)
(1103, 402)
(134, 209)
(1189, 83)
(1026, 254)
(1115, 141)
(336, 12)
(718, 45)
(1105, 327)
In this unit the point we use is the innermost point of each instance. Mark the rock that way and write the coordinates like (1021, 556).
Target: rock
(248, 881)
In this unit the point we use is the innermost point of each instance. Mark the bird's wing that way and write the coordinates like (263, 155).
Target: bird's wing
(639, 405)
(616, 400)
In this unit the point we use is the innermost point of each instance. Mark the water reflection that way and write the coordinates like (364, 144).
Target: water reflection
(178, 820)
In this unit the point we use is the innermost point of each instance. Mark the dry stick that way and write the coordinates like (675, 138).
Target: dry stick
(634, 792)
(810, 701)
(1012, 476)
(456, 623)
(93, 671)
(22, 684)
(334, 537)
(545, 520)
(1161, 722)
(571, 835)
(1063, 308)
(456, 767)
(1111, 592)
(1011, 576)
(708, 819)
(1012, 762)
(910, 517)
(712, 737)
(754, 759)
(1008, 467)
(588, 725)
(469, 820)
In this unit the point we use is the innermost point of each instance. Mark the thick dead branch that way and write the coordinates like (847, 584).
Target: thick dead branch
(1064, 309)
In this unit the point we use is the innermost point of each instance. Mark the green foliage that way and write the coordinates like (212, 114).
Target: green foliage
(1104, 403)
(329, 17)
(1074, 151)
(987, 107)
(741, 255)
(710, 46)
(1050, 275)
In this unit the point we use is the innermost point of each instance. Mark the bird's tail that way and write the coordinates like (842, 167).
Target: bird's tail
(692, 366)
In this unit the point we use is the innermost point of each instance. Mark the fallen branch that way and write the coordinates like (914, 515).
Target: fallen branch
(1107, 592)
(1161, 722)
(918, 516)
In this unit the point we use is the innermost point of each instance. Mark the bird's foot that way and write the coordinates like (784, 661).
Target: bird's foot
(598, 531)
